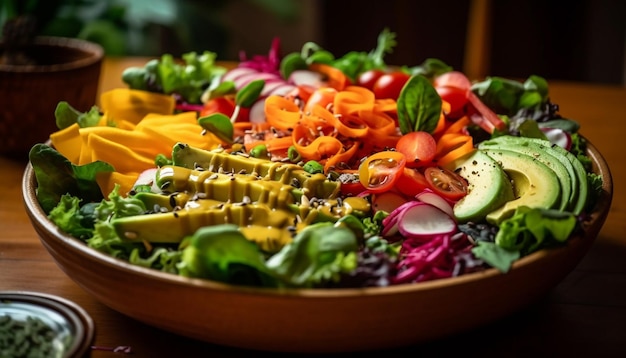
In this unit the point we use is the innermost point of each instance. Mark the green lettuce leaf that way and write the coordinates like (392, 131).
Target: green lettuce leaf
(222, 253)
(319, 253)
(57, 176)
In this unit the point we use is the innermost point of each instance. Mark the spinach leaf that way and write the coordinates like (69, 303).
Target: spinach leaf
(419, 106)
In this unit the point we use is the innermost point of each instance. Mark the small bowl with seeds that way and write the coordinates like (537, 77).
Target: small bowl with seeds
(35, 324)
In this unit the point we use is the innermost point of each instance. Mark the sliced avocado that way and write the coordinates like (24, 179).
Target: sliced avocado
(224, 187)
(313, 185)
(488, 186)
(551, 158)
(267, 227)
(576, 170)
(534, 184)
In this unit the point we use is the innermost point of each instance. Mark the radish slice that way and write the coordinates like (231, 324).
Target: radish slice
(305, 77)
(424, 220)
(148, 177)
(390, 223)
(387, 201)
(237, 72)
(243, 80)
(390, 226)
(257, 112)
(271, 86)
(284, 90)
(433, 199)
(558, 136)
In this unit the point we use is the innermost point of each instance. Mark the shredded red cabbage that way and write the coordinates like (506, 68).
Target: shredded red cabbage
(261, 63)
(441, 257)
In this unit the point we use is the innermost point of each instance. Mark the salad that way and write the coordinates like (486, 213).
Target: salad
(312, 170)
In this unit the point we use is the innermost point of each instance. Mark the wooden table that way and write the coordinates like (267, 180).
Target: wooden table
(585, 315)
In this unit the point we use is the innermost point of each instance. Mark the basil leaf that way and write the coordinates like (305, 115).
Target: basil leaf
(419, 106)
(218, 124)
(249, 94)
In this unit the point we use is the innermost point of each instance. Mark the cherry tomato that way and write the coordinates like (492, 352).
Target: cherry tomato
(456, 97)
(367, 79)
(224, 105)
(453, 79)
(379, 172)
(390, 84)
(419, 148)
(446, 183)
(411, 182)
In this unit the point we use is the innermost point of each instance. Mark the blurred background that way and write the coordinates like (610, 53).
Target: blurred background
(578, 40)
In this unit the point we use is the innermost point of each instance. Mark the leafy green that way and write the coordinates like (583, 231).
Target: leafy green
(530, 229)
(119, 207)
(57, 176)
(351, 64)
(506, 96)
(419, 106)
(495, 256)
(160, 258)
(106, 240)
(355, 62)
(249, 94)
(188, 79)
(319, 253)
(69, 217)
(105, 237)
(218, 124)
(595, 189)
(430, 68)
(66, 115)
(222, 253)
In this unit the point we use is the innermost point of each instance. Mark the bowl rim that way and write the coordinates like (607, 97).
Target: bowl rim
(598, 215)
(94, 53)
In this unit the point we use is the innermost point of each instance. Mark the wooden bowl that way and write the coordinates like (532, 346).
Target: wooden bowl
(314, 320)
(66, 70)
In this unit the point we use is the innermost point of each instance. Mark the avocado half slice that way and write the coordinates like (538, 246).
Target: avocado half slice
(545, 151)
(534, 184)
(488, 186)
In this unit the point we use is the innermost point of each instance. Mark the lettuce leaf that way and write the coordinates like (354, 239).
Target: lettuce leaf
(319, 253)
(57, 176)
(222, 253)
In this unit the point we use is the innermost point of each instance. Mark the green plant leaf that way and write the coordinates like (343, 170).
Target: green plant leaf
(246, 96)
(218, 124)
(419, 106)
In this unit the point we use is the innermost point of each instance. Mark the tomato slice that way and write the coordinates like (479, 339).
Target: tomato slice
(411, 182)
(379, 172)
(419, 148)
(446, 183)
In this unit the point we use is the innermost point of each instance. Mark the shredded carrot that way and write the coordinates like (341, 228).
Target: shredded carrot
(335, 78)
(281, 113)
(451, 146)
